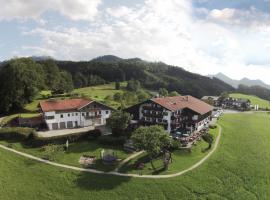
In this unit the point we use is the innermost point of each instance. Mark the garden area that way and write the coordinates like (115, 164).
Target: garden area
(75, 150)
(181, 159)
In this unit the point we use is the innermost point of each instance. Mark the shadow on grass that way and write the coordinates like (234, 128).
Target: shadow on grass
(130, 167)
(88, 181)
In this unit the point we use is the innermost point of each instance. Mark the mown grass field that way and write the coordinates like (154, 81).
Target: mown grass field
(239, 169)
(254, 100)
(99, 93)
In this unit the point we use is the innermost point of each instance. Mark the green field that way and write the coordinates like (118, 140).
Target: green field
(254, 100)
(99, 93)
(239, 169)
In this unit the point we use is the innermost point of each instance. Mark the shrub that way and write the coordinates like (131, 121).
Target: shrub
(213, 126)
(175, 145)
(111, 140)
(16, 133)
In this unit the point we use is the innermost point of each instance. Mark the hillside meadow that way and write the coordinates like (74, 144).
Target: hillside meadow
(239, 169)
(254, 100)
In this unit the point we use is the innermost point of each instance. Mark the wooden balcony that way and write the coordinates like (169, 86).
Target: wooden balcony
(154, 115)
(152, 108)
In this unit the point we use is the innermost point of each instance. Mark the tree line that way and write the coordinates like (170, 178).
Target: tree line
(152, 76)
(259, 91)
(22, 79)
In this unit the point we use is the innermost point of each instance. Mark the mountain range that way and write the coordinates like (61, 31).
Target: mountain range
(235, 83)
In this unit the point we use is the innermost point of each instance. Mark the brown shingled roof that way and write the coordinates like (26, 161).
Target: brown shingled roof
(181, 102)
(62, 105)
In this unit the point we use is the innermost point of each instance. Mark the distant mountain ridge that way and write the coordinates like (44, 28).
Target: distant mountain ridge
(245, 81)
(112, 58)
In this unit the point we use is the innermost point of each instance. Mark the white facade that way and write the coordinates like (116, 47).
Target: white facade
(148, 115)
(76, 118)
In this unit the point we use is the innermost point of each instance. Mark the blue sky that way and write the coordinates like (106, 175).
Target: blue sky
(202, 36)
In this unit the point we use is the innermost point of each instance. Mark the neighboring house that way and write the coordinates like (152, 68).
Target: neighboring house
(73, 113)
(173, 113)
(236, 104)
(212, 100)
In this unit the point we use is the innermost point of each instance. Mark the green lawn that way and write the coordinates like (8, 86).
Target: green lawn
(239, 169)
(254, 100)
(182, 159)
(73, 154)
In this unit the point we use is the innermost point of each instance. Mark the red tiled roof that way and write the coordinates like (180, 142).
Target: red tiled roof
(181, 102)
(62, 105)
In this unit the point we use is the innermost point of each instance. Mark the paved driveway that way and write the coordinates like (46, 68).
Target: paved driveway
(53, 133)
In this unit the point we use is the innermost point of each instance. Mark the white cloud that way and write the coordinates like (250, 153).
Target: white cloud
(251, 17)
(167, 31)
(33, 9)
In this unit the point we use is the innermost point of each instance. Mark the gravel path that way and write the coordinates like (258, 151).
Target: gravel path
(196, 165)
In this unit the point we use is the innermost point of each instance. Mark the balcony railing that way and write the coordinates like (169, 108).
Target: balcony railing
(153, 108)
(92, 116)
(152, 115)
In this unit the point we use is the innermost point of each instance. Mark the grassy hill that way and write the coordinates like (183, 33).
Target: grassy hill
(100, 92)
(254, 100)
(152, 75)
(239, 169)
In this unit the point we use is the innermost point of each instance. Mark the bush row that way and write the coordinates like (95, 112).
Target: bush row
(111, 140)
(16, 133)
(30, 138)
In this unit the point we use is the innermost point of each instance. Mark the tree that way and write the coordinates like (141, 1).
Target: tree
(224, 95)
(65, 83)
(21, 79)
(52, 75)
(118, 122)
(152, 139)
(80, 80)
(130, 98)
(209, 139)
(174, 94)
(163, 92)
(142, 95)
(117, 96)
(133, 85)
(117, 85)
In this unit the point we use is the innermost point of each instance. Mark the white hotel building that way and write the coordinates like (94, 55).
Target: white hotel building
(74, 113)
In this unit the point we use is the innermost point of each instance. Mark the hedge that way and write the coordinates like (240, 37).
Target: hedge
(16, 133)
(111, 140)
